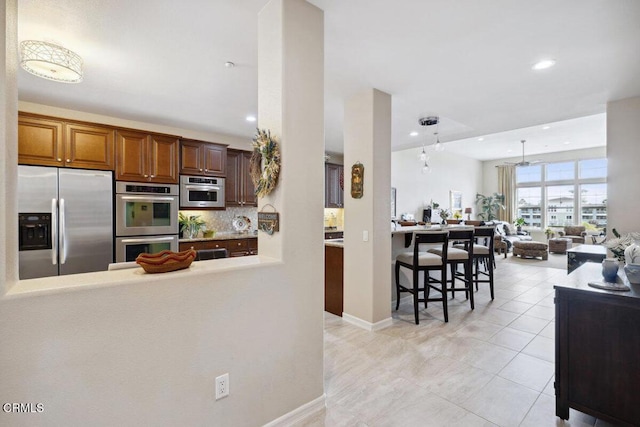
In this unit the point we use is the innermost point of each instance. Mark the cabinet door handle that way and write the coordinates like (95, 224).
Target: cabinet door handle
(153, 176)
(146, 176)
(206, 170)
(59, 159)
(200, 169)
(68, 160)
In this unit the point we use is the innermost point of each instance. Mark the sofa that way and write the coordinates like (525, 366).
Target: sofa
(576, 233)
(506, 234)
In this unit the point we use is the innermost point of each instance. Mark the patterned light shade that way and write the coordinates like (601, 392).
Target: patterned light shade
(51, 61)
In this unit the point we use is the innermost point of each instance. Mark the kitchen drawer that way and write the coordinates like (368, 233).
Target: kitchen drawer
(238, 247)
(333, 235)
(208, 244)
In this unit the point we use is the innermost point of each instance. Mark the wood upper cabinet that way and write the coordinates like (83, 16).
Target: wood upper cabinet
(145, 157)
(202, 158)
(239, 189)
(333, 189)
(51, 142)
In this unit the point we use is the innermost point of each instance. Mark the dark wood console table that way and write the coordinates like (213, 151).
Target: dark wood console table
(597, 348)
(584, 253)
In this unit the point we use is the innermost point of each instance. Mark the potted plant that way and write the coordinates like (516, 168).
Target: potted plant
(519, 222)
(549, 233)
(190, 225)
(489, 205)
(457, 215)
(444, 214)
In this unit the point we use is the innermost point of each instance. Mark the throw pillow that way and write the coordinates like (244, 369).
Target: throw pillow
(510, 229)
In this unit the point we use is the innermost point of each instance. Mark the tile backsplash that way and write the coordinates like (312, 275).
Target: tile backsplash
(222, 220)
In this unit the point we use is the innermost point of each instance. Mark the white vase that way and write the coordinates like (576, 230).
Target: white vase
(632, 254)
(610, 269)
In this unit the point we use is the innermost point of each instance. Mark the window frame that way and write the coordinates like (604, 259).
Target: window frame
(576, 182)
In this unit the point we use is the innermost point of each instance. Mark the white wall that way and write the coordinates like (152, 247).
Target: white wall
(623, 154)
(448, 172)
(146, 352)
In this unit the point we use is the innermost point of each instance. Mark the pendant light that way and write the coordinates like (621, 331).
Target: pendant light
(438, 146)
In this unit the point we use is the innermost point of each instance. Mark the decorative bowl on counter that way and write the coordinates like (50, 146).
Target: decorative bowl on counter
(633, 273)
(165, 261)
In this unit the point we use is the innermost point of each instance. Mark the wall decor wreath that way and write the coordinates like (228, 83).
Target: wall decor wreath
(264, 167)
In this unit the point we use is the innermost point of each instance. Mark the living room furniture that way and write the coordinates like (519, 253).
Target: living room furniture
(506, 234)
(559, 245)
(483, 258)
(425, 262)
(584, 253)
(597, 344)
(530, 249)
(576, 233)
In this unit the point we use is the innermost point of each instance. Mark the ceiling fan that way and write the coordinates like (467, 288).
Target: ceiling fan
(523, 162)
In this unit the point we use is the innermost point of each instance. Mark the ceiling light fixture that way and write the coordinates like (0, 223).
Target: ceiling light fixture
(430, 121)
(480, 139)
(426, 168)
(229, 64)
(546, 127)
(51, 62)
(251, 118)
(439, 146)
(414, 133)
(544, 64)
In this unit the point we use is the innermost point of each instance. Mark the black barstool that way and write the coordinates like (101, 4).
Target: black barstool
(424, 261)
(461, 253)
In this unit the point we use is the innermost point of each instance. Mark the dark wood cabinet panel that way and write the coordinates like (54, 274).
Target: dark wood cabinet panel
(239, 189)
(333, 280)
(55, 142)
(145, 157)
(202, 158)
(333, 186)
(597, 342)
(89, 147)
(234, 247)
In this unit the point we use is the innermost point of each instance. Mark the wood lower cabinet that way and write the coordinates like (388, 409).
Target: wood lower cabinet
(333, 185)
(48, 141)
(145, 157)
(333, 280)
(239, 189)
(234, 247)
(202, 158)
(597, 344)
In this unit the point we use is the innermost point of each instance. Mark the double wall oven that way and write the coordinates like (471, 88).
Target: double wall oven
(146, 219)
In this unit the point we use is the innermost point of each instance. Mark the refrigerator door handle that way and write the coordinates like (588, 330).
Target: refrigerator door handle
(54, 231)
(63, 246)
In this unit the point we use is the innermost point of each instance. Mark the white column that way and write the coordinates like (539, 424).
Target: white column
(623, 174)
(8, 144)
(291, 106)
(367, 229)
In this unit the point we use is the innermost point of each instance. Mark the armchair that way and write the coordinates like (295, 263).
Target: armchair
(576, 233)
(506, 235)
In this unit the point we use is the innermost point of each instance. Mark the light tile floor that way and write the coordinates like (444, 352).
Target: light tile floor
(492, 366)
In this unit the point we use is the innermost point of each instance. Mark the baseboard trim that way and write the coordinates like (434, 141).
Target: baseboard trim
(299, 413)
(356, 321)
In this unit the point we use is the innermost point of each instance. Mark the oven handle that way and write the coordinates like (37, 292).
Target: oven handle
(149, 199)
(202, 187)
(148, 239)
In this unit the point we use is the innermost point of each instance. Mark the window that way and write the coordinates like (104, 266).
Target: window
(563, 193)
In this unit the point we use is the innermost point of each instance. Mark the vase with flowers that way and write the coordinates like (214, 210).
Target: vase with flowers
(620, 243)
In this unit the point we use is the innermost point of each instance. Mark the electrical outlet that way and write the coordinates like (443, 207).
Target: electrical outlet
(222, 386)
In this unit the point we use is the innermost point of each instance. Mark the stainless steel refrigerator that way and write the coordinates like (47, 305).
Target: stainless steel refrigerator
(65, 221)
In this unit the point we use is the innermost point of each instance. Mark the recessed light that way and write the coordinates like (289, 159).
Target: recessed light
(229, 64)
(481, 139)
(251, 118)
(509, 151)
(414, 133)
(546, 127)
(567, 142)
(544, 64)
